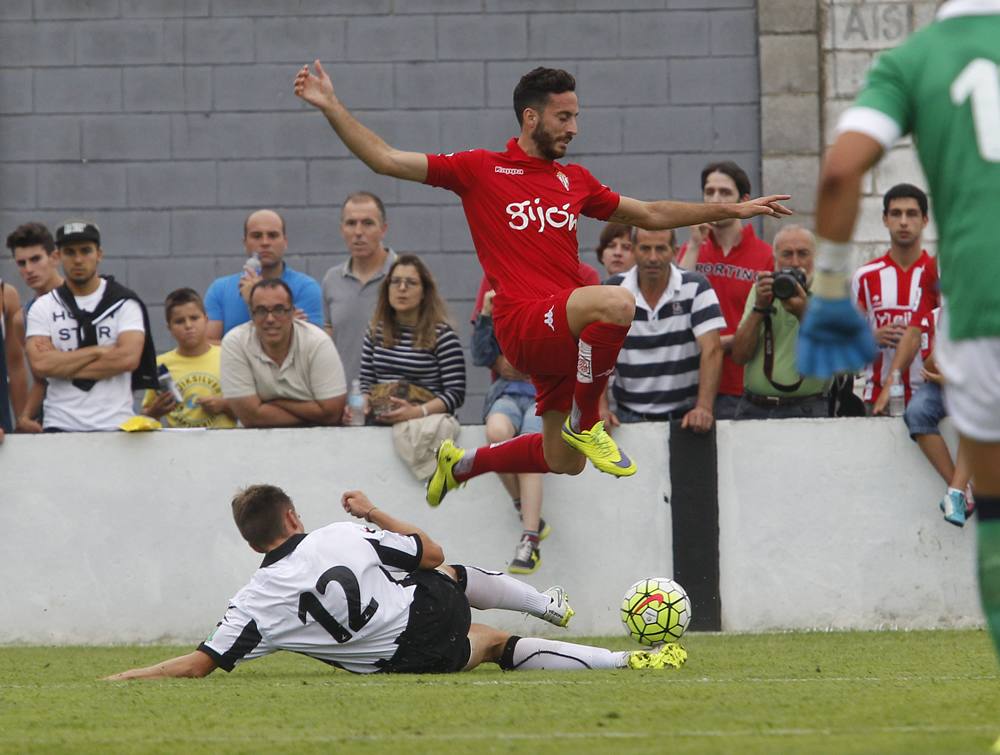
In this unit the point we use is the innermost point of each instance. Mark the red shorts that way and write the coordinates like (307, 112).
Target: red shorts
(534, 336)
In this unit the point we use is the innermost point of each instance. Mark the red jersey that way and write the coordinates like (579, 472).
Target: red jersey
(732, 276)
(928, 331)
(522, 212)
(888, 294)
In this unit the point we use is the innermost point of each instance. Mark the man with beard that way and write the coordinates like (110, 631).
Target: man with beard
(523, 207)
(86, 337)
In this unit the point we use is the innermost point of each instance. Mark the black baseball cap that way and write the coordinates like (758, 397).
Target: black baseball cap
(77, 232)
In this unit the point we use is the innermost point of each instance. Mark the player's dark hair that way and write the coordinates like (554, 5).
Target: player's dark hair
(535, 86)
(259, 512)
(609, 233)
(905, 191)
(247, 222)
(31, 234)
(432, 312)
(181, 296)
(272, 283)
(364, 196)
(731, 169)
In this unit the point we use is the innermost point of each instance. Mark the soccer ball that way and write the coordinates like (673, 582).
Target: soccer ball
(656, 610)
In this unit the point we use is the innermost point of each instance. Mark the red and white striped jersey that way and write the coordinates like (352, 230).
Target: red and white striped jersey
(928, 331)
(888, 294)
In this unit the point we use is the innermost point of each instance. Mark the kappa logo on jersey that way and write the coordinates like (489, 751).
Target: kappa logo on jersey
(563, 179)
(550, 318)
(522, 214)
(508, 171)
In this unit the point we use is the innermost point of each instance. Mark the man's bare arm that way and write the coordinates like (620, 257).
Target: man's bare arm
(48, 362)
(193, 665)
(709, 369)
(124, 356)
(213, 332)
(356, 503)
(655, 216)
(17, 372)
(316, 88)
(253, 412)
(852, 155)
(326, 412)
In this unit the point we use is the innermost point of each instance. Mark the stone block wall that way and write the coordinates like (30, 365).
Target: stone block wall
(167, 121)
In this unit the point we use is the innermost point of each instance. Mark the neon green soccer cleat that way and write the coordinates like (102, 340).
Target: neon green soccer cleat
(443, 480)
(598, 446)
(670, 655)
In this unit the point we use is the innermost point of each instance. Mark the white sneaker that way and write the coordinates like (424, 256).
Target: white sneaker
(559, 611)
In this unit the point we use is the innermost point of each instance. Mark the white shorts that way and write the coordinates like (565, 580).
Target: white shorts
(971, 371)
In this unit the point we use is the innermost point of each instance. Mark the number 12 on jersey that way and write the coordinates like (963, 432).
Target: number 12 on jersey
(980, 80)
(309, 604)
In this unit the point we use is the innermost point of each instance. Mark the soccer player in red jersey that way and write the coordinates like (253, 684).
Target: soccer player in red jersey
(522, 207)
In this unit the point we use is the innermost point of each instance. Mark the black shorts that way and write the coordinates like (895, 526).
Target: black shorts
(436, 638)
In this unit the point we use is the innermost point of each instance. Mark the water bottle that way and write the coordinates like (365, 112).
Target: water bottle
(897, 396)
(252, 266)
(356, 402)
(167, 384)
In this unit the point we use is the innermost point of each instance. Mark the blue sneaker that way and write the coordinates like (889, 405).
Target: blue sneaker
(953, 506)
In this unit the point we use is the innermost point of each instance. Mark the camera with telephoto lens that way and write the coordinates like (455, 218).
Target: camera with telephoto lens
(785, 280)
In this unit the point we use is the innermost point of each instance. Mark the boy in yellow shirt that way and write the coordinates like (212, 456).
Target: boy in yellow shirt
(194, 366)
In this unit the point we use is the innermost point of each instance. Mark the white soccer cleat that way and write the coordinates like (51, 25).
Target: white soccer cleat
(559, 611)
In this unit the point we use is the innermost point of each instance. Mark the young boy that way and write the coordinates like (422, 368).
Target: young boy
(194, 366)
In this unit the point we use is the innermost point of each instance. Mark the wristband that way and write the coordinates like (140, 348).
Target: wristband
(765, 310)
(368, 516)
(423, 408)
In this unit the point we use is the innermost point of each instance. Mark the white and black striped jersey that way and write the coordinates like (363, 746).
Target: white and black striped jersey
(338, 594)
(657, 368)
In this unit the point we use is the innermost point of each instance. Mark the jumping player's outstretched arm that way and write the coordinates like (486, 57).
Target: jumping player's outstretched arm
(658, 216)
(316, 88)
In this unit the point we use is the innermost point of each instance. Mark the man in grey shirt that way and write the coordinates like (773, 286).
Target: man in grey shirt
(351, 289)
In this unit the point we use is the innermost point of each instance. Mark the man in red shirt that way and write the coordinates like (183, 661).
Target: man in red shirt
(897, 289)
(523, 207)
(730, 255)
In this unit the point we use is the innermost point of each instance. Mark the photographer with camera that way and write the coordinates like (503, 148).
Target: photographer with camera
(766, 339)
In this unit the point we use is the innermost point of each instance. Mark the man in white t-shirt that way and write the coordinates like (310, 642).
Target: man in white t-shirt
(377, 598)
(86, 338)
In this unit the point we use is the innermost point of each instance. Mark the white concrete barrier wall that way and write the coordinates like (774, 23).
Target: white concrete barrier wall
(118, 538)
(129, 538)
(834, 523)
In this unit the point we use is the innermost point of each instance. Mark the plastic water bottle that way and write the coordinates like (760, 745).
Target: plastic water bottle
(356, 402)
(252, 266)
(167, 384)
(897, 396)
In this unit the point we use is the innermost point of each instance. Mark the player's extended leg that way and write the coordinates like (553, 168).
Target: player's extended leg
(600, 317)
(513, 653)
(489, 589)
(984, 461)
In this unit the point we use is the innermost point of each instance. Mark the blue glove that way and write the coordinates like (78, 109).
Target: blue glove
(833, 338)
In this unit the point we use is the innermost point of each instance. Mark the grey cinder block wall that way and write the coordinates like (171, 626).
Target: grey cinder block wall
(167, 121)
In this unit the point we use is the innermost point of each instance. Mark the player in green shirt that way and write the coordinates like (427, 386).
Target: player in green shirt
(943, 86)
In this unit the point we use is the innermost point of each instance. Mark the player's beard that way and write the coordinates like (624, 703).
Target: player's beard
(545, 142)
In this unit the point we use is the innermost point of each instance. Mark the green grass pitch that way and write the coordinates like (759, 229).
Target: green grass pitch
(877, 692)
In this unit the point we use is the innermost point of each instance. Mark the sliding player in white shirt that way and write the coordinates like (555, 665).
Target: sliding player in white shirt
(370, 599)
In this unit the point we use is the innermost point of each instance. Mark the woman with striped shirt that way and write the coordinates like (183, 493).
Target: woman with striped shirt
(409, 339)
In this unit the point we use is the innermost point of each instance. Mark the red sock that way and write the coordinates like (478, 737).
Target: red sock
(521, 454)
(600, 343)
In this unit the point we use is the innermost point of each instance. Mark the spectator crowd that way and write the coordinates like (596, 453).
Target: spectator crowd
(713, 337)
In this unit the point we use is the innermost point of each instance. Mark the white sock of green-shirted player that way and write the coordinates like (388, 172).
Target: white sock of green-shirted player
(525, 653)
(488, 589)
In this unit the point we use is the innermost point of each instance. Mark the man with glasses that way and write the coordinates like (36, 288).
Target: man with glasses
(278, 371)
